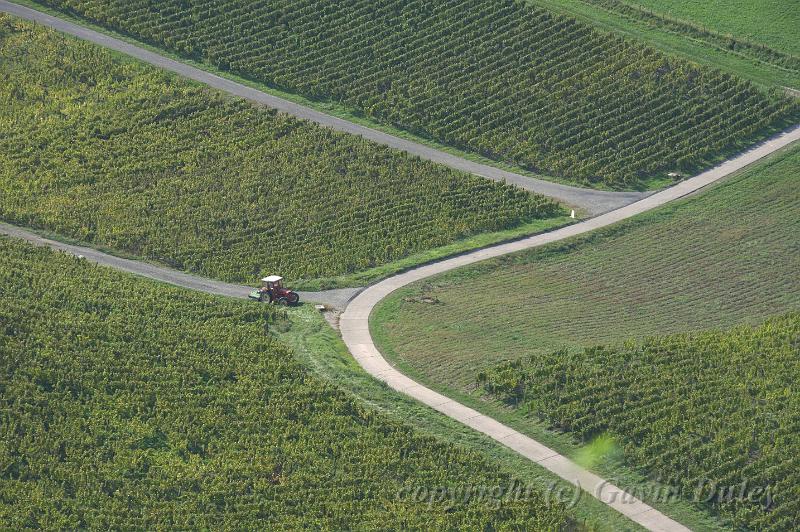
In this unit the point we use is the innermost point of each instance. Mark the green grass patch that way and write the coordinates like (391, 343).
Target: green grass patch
(714, 260)
(774, 23)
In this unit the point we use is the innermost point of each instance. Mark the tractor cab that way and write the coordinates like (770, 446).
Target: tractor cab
(272, 282)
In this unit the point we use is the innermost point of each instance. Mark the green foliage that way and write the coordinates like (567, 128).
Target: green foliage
(123, 155)
(714, 406)
(600, 448)
(505, 79)
(125, 404)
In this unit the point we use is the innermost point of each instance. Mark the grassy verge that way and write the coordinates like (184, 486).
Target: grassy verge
(319, 348)
(466, 245)
(762, 73)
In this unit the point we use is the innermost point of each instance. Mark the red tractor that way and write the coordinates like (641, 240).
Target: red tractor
(272, 290)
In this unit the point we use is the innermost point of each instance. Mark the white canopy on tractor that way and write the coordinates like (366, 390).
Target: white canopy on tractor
(272, 279)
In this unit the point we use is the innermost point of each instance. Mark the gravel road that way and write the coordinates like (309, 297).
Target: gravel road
(337, 298)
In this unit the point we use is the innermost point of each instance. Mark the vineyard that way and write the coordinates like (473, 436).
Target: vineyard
(504, 79)
(120, 154)
(714, 406)
(129, 404)
(726, 258)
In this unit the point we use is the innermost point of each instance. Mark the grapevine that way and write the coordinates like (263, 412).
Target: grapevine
(130, 404)
(715, 408)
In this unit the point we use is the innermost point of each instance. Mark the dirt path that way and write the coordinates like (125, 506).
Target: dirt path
(354, 326)
(592, 201)
(335, 298)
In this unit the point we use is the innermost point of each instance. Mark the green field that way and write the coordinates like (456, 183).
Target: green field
(767, 67)
(505, 80)
(663, 350)
(121, 155)
(710, 411)
(130, 404)
(726, 257)
(773, 23)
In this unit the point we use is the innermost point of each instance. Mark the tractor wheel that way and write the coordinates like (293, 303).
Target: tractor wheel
(283, 301)
(293, 298)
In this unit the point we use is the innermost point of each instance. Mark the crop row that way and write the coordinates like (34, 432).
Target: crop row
(709, 409)
(129, 404)
(505, 79)
(124, 156)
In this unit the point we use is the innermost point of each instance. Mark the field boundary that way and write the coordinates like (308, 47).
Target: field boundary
(355, 329)
(726, 42)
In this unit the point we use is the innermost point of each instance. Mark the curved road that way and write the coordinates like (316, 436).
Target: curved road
(354, 323)
(354, 326)
(337, 298)
(592, 201)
